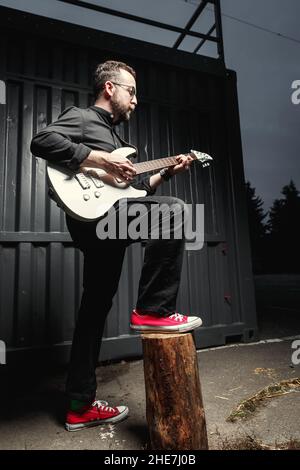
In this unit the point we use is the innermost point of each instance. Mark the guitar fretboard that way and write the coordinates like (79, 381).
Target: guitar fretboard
(151, 165)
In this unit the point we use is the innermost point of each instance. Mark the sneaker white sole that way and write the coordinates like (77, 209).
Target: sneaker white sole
(168, 329)
(90, 424)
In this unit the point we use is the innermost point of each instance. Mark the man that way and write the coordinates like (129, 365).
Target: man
(86, 138)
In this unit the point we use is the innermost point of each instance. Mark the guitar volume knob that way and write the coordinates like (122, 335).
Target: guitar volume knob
(97, 193)
(86, 197)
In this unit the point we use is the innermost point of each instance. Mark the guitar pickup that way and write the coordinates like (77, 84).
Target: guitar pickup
(97, 182)
(82, 180)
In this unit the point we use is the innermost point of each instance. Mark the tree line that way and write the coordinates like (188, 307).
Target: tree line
(275, 234)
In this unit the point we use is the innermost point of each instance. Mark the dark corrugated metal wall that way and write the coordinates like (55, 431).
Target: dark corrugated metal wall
(40, 271)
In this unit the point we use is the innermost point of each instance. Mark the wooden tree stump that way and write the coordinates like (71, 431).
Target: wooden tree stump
(174, 406)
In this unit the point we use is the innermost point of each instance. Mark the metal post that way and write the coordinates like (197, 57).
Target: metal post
(218, 18)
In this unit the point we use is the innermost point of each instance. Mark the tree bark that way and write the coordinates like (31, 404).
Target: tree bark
(174, 405)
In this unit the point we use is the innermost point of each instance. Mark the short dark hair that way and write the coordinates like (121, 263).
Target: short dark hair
(109, 70)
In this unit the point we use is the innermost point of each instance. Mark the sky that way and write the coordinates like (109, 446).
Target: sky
(266, 64)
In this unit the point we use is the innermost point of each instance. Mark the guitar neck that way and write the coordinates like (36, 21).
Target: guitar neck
(152, 165)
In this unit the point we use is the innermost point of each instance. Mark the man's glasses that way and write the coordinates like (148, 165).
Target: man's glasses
(131, 89)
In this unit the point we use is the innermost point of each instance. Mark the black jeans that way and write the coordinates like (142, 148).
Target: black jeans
(103, 259)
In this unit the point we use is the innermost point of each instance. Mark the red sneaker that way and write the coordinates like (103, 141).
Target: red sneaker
(173, 323)
(93, 415)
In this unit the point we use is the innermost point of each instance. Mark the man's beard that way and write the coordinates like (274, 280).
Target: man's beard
(121, 113)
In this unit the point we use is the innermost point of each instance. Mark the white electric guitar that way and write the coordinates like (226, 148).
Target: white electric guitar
(89, 193)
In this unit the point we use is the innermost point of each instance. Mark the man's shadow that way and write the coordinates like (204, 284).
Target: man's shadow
(32, 388)
(36, 389)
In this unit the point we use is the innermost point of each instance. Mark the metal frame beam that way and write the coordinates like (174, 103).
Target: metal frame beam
(183, 31)
(215, 27)
(203, 40)
(190, 23)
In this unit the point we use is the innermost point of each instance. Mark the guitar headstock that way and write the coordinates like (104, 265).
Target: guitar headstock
(201, 157)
